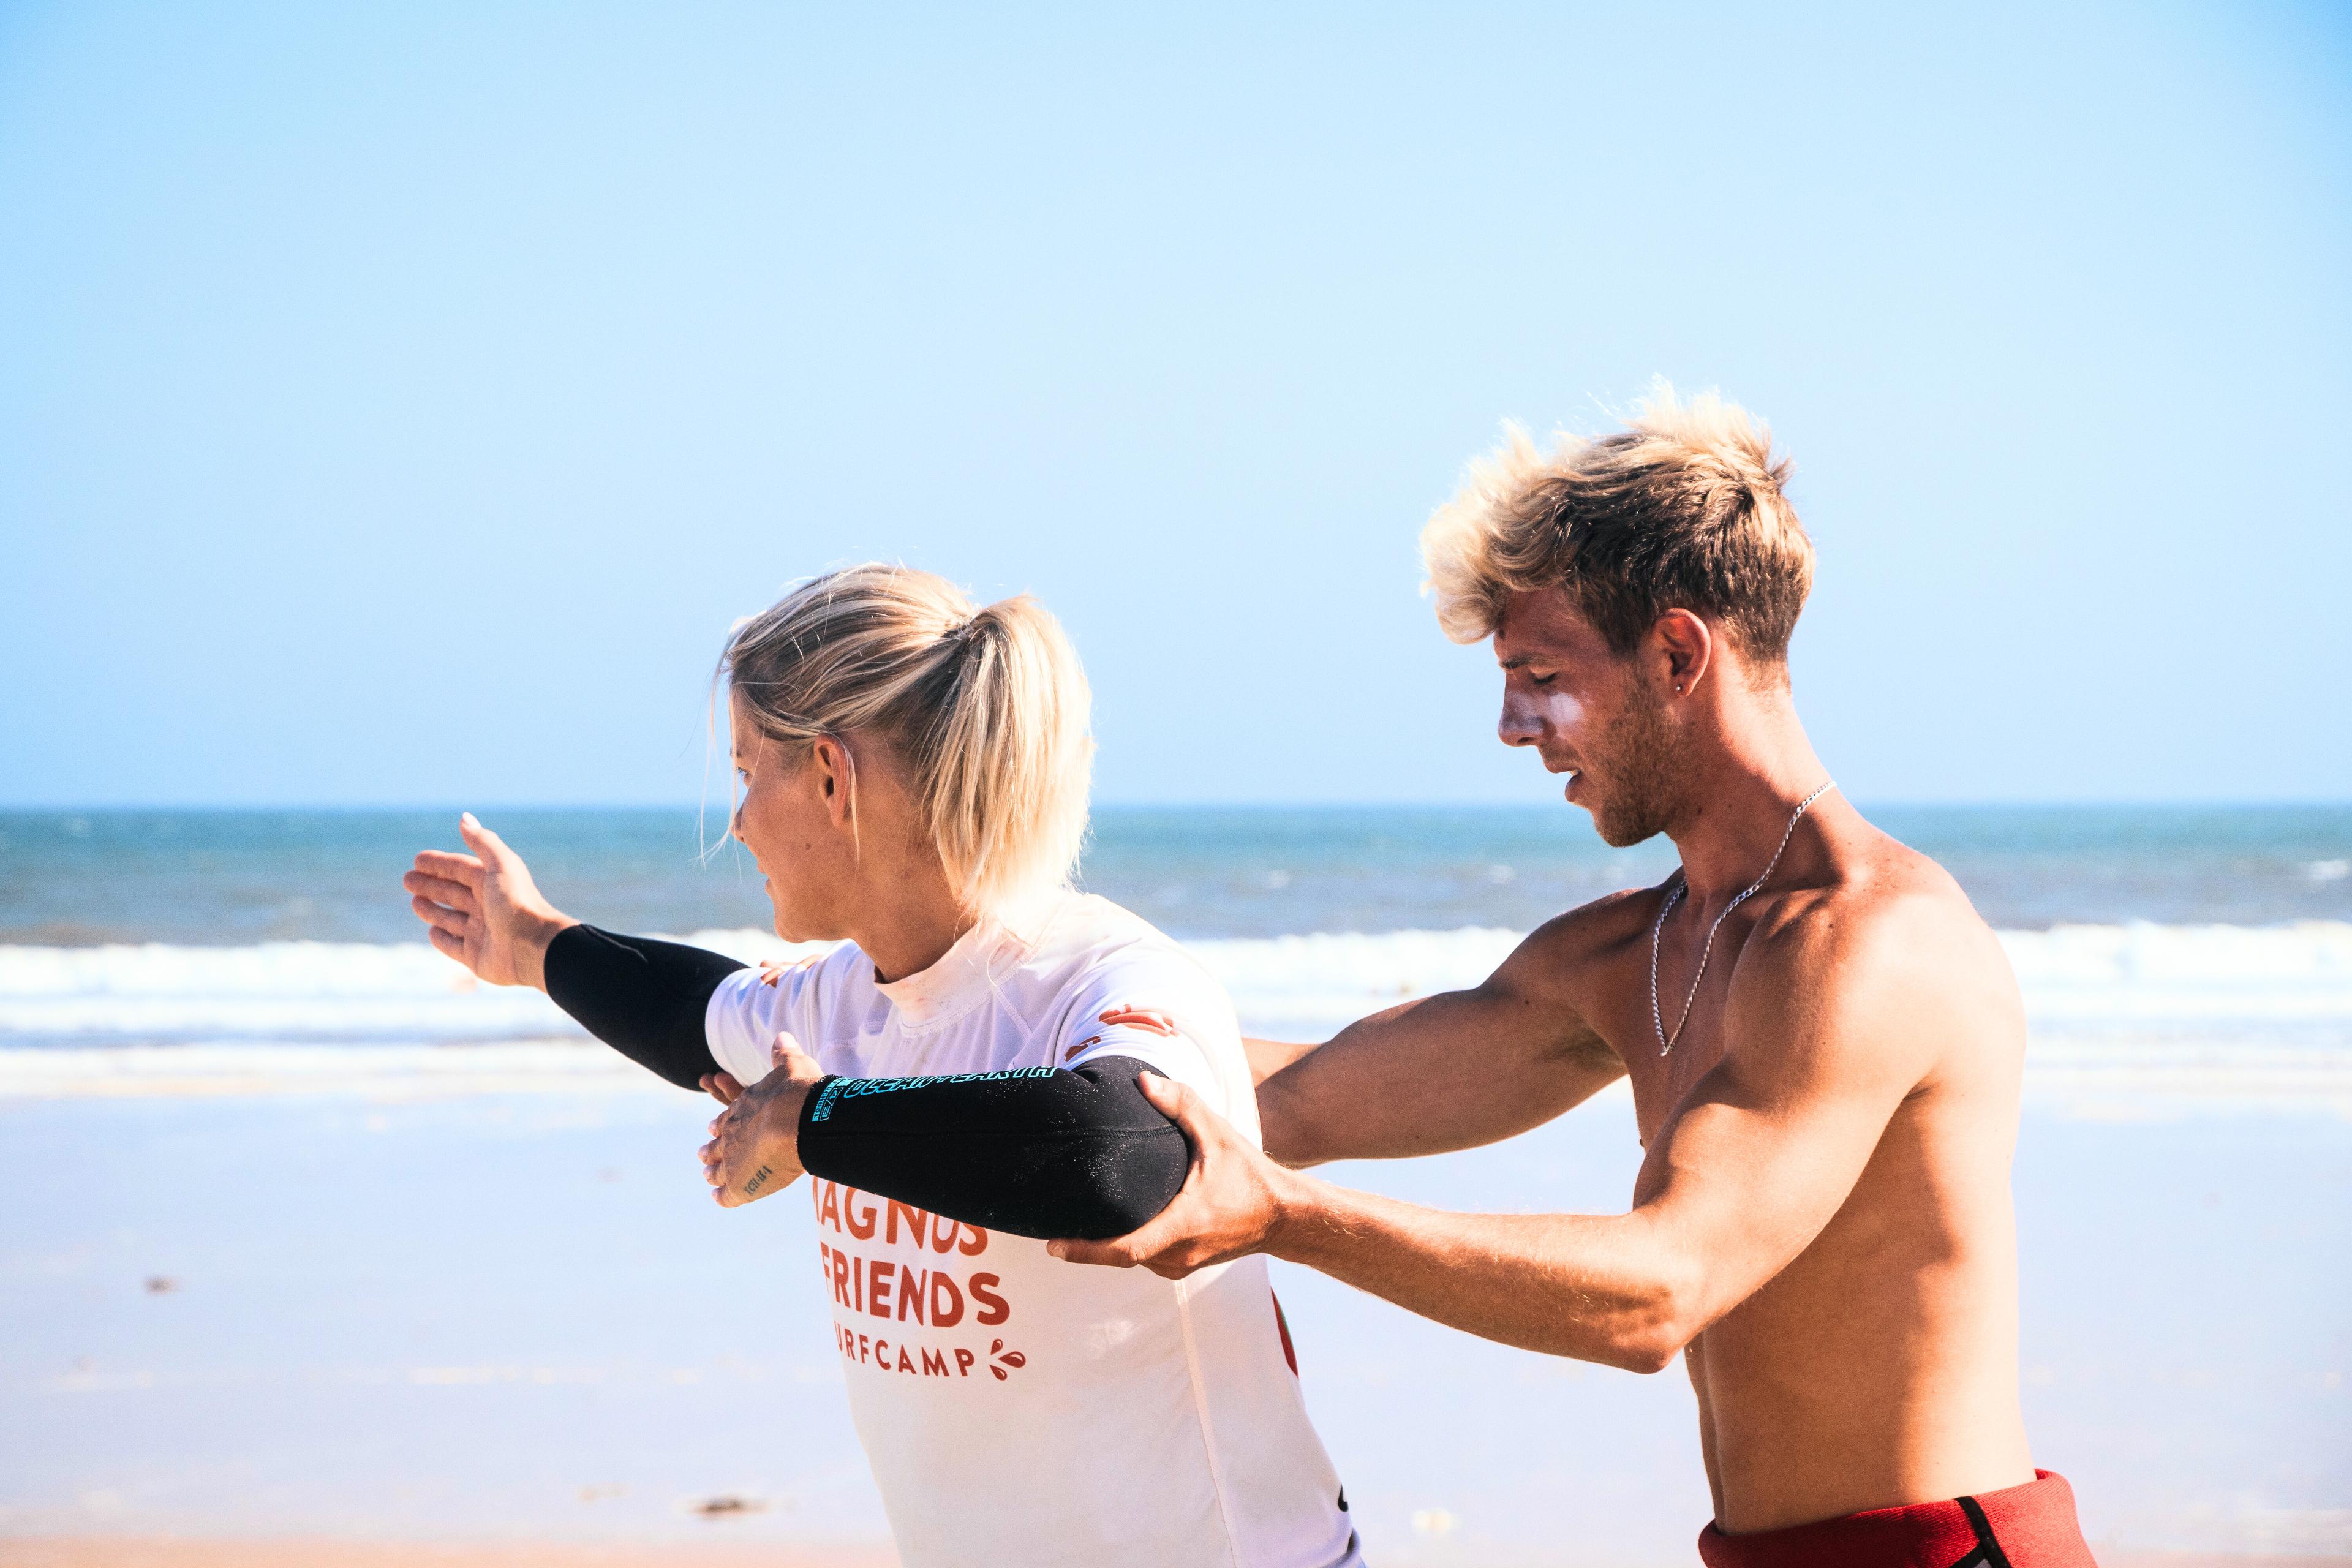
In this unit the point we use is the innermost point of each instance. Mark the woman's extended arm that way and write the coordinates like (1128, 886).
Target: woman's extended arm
(1039, 1151)
(483, 909)
(644, 998)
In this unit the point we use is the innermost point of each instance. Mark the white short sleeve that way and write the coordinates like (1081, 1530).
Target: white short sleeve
(752, 1006)
(1157, 1007)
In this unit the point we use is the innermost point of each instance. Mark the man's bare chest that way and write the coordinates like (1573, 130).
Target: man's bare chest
(1618, 1009)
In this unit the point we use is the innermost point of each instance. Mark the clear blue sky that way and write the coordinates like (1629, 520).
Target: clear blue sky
(398, 402)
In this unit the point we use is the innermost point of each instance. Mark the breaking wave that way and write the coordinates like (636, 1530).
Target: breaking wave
(2158, 1004)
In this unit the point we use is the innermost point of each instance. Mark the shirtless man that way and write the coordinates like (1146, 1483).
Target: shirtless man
(1825, 1043)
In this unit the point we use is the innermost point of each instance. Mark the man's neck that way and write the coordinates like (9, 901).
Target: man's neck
(1748, 777)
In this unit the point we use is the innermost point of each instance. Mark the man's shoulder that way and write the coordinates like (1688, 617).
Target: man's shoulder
(1568, 945)
(1890, 940)
(1881, 902)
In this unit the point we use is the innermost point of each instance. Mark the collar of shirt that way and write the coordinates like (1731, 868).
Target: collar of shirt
(969, 972)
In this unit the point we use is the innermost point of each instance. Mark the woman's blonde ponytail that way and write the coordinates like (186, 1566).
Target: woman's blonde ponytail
(987, 710)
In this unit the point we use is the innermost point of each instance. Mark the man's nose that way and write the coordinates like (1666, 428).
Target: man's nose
(1517, 727)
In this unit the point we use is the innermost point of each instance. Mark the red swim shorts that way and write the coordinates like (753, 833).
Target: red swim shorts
(2032, 1526)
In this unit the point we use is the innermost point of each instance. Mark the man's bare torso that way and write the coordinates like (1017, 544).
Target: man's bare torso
(1879, 1365)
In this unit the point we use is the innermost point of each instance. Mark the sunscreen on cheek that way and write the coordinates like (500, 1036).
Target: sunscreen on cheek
(1534, 713)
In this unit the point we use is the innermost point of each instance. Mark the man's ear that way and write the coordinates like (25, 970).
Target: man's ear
(1681, 650)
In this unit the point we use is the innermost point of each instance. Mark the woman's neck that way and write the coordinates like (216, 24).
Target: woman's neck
(908, 933)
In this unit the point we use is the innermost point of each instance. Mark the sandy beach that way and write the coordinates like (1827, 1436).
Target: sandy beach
(94, 1552)
(509, 1329)
(165, 1552)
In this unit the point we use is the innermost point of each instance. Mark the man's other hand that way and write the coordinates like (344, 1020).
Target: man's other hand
(754, 1147)
(1232, 1203)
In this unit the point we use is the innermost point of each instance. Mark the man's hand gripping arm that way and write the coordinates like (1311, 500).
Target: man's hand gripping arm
(1758, 1158)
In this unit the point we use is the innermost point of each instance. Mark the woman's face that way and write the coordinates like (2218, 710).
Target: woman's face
(791, 812)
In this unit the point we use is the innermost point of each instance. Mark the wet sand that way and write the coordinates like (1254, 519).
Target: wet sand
(96, 1553)
(104, 1553)
(325, 1329)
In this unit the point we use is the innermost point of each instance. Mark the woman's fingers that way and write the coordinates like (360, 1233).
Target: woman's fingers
(450, 868)
(441, 918)
(442, 890)
(444, 943)
(483, 842)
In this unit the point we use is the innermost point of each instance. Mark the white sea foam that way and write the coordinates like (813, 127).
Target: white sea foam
(2199, 1012)
(305, 993)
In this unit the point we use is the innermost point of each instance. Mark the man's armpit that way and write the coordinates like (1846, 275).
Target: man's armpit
(1585, 1049)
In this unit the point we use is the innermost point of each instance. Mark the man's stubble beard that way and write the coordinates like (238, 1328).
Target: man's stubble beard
(1638, 767)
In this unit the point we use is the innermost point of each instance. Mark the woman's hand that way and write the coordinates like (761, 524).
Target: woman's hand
(755, 1143)
(483, 909)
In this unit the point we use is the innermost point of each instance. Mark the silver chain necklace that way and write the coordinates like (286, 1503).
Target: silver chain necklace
(1658, 1019)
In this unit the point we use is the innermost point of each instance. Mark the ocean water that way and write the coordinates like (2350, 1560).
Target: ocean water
(2201, 953)
(227, 879)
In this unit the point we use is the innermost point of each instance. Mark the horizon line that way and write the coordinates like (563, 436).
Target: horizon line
(2088, 802)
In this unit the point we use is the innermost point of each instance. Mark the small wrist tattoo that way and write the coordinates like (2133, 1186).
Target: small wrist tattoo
(759, 1179)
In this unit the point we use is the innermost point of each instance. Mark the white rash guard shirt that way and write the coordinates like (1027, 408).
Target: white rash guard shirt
(1017, 1409)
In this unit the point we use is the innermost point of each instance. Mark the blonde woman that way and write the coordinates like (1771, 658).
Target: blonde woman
(958, 1077)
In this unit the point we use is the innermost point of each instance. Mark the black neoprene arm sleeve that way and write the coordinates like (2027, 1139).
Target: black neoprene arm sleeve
(644, 998)
(1037, 1151)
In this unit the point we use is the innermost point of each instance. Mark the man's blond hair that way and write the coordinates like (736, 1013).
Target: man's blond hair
(1681, 510)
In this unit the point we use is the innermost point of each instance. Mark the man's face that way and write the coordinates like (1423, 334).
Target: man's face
(1589, 714)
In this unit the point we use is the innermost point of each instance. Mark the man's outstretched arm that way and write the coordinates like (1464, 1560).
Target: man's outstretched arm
(1761, 1154)
(1451, 1071)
